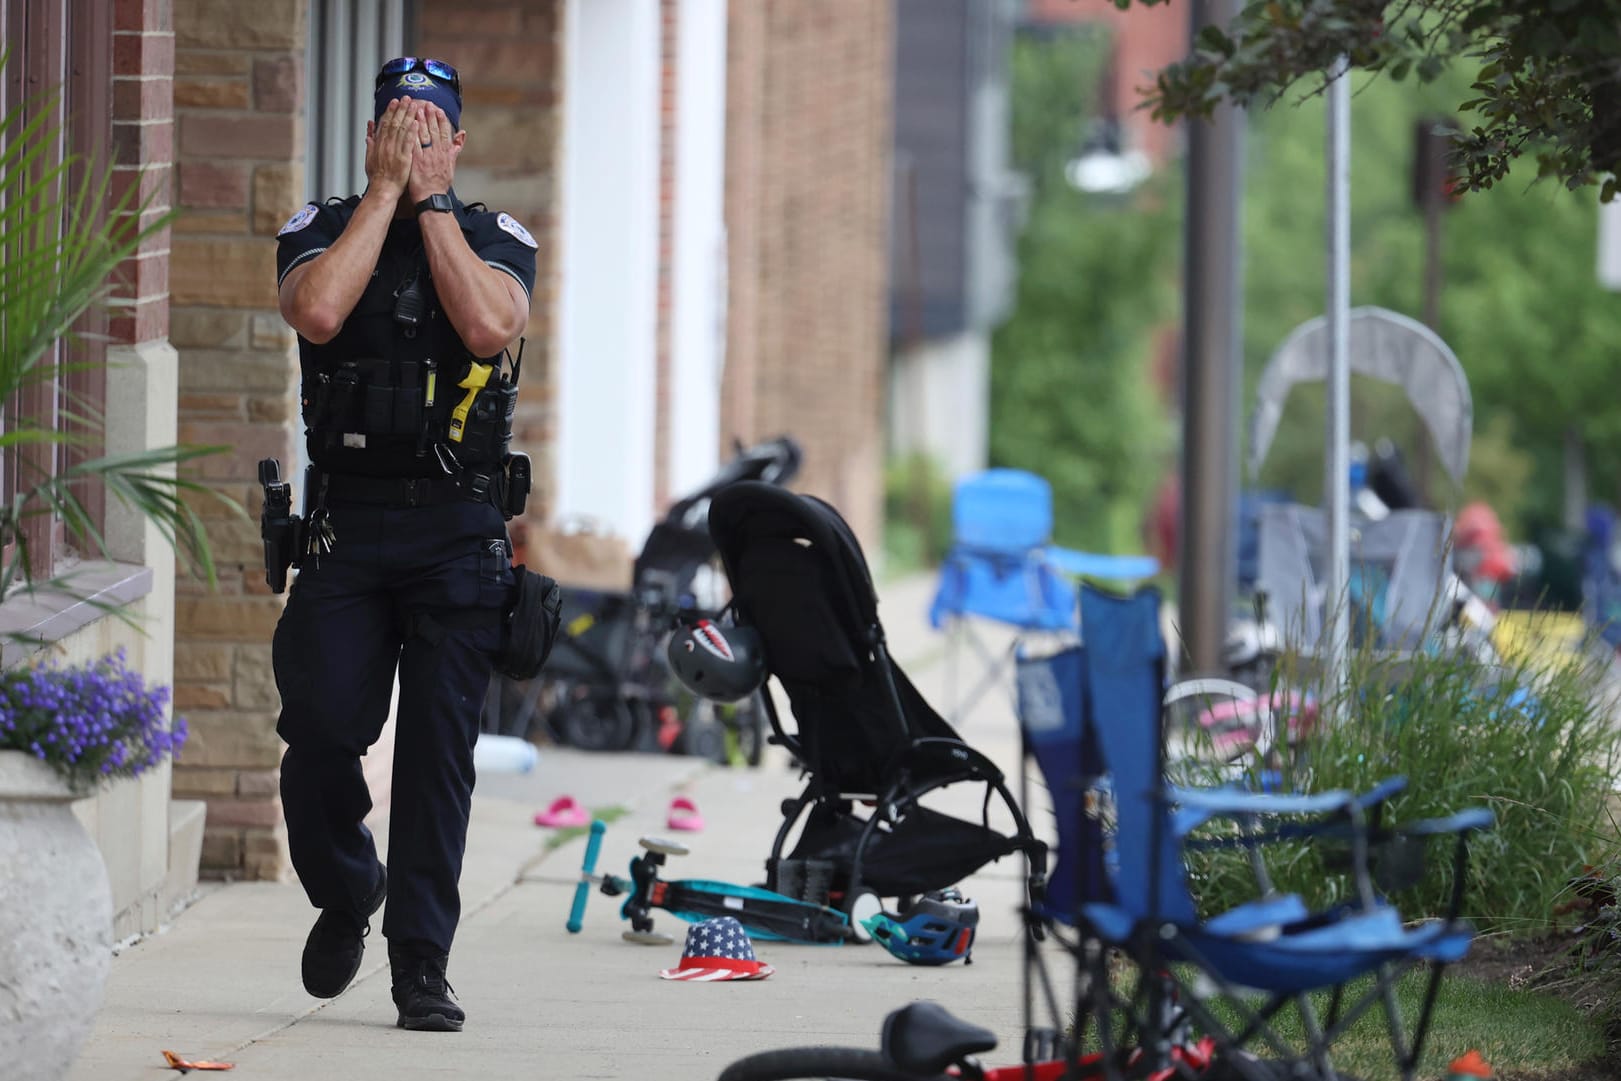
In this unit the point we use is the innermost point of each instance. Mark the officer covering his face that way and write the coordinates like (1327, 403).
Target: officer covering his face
(405, 300)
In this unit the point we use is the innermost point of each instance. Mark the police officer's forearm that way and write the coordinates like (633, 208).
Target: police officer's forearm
(475, 296)
(322, 297)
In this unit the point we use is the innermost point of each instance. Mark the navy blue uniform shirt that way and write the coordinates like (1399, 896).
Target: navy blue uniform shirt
(371, 331)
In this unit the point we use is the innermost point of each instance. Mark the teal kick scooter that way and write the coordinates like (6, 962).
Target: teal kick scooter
(764, 915)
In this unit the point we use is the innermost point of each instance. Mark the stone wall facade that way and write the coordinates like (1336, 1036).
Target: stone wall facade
(809, 90)
(239, 104)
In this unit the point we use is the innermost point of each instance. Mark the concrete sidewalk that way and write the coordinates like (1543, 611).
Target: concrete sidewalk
(223, 981)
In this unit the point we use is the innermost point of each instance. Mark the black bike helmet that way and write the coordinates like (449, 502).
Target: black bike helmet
(722, 664)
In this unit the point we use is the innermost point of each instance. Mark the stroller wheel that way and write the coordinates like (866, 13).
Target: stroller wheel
(862, 905)
(648, 938)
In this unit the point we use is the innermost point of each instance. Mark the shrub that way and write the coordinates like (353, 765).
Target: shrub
(917, 511)
(1533, 741)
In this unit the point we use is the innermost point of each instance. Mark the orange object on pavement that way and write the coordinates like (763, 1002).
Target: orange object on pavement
(1470, 1065)
(178, 1063)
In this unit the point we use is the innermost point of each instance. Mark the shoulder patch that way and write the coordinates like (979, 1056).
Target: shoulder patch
(509, 224)
(305, 215)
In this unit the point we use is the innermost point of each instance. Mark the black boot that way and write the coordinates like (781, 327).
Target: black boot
(421, 992)
(336, 943)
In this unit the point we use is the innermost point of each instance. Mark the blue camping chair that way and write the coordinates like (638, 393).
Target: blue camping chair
(1091, 717)
(1003, 567)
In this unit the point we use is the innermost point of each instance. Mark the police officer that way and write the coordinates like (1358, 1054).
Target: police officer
(405, 301)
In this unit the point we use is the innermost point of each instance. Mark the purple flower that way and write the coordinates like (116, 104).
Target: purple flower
(91, 722)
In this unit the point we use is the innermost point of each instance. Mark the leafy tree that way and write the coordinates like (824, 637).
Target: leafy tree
(1071, 396)
(1520, 302)
(1546, 73)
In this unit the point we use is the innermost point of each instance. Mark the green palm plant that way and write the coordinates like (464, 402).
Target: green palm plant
(62, 238)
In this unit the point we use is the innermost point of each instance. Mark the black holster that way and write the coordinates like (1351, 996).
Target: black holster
(281, 530)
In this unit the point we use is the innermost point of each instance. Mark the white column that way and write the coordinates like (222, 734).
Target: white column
(607, 319)
(698, 311)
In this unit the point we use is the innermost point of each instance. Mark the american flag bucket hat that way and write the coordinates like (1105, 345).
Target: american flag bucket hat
(717, 949)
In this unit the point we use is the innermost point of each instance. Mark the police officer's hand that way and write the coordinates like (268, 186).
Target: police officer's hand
(433, 157)
(389, 143)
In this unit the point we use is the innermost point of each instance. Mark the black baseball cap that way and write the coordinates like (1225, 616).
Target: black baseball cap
(427, 80)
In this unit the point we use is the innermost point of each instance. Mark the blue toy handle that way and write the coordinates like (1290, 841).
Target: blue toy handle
(593, 847)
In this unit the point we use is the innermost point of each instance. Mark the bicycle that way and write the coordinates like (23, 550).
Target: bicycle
(925, 1042)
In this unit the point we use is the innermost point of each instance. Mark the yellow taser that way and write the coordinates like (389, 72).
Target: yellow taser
(477, 376)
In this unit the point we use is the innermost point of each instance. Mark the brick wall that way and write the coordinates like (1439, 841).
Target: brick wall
(807, 191)
(238, 95)
(143, 148)
(669, 38)
(507, 52)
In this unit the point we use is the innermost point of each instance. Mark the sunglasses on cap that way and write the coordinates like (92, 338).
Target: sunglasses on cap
(437, 68)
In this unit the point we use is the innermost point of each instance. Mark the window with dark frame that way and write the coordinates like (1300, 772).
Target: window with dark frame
(62, 47)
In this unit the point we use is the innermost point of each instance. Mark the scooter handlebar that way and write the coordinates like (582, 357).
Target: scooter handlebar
(593, 848)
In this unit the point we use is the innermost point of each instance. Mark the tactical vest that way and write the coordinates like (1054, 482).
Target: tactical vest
(396, 393)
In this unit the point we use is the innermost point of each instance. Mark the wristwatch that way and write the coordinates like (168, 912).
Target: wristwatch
(440, 201)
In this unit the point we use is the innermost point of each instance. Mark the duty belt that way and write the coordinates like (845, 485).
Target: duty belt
(471, 487)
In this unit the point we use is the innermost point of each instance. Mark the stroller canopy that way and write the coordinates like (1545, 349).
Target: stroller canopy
(1385, 346)
(799, 577)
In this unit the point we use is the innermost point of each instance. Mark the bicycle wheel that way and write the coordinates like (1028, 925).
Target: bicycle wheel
(825, 1063)
(598, 722)
(749, 717)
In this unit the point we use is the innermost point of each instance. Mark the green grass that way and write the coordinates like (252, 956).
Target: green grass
(1517, 1031)
(1513, 1030)
(609, 815)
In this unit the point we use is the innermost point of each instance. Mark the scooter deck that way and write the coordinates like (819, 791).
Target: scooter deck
(763, 914)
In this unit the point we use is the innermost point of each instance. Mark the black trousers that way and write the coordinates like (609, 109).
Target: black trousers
(343, 637)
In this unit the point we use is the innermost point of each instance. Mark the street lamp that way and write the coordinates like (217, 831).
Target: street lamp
(1102, 169)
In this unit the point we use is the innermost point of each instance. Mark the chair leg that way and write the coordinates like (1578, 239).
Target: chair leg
(994, 664)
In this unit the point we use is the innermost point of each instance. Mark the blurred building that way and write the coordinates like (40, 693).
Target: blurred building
(1143, 40)
(955, 215)
(707, 181)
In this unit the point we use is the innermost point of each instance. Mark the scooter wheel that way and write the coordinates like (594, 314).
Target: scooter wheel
(862, 905)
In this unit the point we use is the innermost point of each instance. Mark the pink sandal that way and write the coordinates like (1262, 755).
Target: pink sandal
(564, 812)
(684, 815)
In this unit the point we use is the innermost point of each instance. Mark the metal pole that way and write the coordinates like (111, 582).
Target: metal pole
(1212, 368)
(1337, 486)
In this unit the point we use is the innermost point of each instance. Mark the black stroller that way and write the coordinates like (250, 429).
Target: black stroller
(605, 686)
(865, 734)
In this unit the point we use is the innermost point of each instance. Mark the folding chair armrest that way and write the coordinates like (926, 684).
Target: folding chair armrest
(1095, 565)
(1466, 821)
(1367, 801)
(1230, 801)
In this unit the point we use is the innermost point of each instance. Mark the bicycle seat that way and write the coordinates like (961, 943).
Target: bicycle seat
(924, 1039)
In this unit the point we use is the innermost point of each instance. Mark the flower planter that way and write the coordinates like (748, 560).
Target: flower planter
(55, 922)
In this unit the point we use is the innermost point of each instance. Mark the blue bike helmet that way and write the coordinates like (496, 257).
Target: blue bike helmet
(936, 929)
